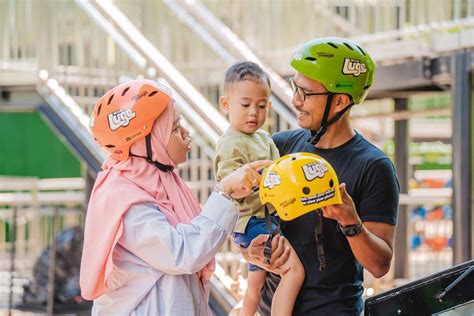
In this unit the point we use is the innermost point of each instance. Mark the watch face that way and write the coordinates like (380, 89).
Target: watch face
(351, 231)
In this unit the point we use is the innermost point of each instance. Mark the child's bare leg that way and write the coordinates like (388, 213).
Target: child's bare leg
(255, 281)
(290, 284)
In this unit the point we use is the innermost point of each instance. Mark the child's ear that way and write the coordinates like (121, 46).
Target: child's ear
(269, 104)
(224, 103)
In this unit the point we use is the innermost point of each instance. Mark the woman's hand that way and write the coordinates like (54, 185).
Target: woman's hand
(280, 253)
(239, 183)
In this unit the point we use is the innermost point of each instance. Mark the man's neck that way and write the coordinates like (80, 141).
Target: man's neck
(336, 135)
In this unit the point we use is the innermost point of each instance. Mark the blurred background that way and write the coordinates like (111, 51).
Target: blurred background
(58, 56)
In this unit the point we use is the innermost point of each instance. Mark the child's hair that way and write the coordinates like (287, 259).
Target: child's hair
(245, 70)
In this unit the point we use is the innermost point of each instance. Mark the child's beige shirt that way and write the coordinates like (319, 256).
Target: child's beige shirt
(235, 149)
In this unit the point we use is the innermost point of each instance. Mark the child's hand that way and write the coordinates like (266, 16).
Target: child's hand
(280, 253)
(257, 187)
(239, 183)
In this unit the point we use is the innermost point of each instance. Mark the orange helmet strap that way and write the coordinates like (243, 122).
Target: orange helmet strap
(159, 165)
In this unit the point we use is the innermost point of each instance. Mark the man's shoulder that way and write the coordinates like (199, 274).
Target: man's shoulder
(367, 150)
(367, 158)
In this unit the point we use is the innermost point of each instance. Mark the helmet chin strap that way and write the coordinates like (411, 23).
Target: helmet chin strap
(325, 123)
(159, 165)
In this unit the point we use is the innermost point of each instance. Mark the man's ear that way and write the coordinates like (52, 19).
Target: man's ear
(224, 103)
(341, 101)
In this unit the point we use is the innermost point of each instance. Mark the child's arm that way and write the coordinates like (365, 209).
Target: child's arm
(229, 156)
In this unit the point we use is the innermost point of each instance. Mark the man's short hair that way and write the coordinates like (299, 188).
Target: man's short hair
(245, 70)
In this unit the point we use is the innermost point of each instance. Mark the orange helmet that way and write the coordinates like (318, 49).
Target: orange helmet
(126, 113)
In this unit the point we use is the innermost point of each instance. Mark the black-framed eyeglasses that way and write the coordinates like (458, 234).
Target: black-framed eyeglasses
(301, 93)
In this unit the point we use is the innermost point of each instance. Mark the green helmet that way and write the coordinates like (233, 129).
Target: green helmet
(341, 65)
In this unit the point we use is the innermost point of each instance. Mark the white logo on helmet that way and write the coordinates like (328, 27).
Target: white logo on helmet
(318, 198)
(120, 118)
(314, 170)
(272, 179)
(353, 67)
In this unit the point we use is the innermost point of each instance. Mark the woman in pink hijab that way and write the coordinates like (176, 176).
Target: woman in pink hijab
(148, 247)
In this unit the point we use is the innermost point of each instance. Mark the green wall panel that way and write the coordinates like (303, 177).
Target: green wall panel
(28, 147)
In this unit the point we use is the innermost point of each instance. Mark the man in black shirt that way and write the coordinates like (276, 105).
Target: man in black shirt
(332, 75)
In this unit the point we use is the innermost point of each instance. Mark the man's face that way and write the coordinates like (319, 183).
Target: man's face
(310, 110)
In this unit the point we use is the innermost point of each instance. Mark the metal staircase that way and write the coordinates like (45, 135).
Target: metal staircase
(70, 121)
(90, 45)
(196, 108)
(231, 48)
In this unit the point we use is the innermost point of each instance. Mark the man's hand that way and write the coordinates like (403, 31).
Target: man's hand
(344, 213)
(280, 253)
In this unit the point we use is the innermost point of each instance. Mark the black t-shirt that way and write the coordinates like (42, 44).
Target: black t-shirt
(371, 181)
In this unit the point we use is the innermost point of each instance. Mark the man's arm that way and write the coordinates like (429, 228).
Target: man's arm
(373, 247)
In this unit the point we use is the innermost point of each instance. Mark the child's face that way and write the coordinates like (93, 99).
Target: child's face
(246, 103)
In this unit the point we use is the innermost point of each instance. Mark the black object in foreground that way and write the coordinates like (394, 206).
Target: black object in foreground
(449, 292)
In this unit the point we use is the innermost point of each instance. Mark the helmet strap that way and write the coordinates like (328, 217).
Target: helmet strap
(267, 250)
(159, 165)
(325, 123)
(318, 233)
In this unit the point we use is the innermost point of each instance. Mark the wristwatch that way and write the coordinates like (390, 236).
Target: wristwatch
(350, 230)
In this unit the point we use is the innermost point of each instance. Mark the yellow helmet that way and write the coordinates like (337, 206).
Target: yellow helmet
(299, 183)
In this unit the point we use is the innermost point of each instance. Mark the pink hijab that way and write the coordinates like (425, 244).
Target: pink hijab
(122, 184)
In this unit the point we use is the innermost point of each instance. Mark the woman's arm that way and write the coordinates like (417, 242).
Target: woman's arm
(187, 248)
(183, 249)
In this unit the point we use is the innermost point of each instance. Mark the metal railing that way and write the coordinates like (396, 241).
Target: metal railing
(70, 120)
(31, 211)
(226, 43)
(205, 122)
(390, 30)
(156, 62)
(59, 37)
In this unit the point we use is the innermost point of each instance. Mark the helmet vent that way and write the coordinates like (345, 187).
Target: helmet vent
(110, 99)
(361, 50)
(153, 93)
(110, 146)
(306, 190)
(331, 183)
(333, 45)
(348, 46)
(125, 91)
(310, 58)
(366, 87)
(98, 110)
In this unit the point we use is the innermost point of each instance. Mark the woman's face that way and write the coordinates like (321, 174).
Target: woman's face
(179, 143)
